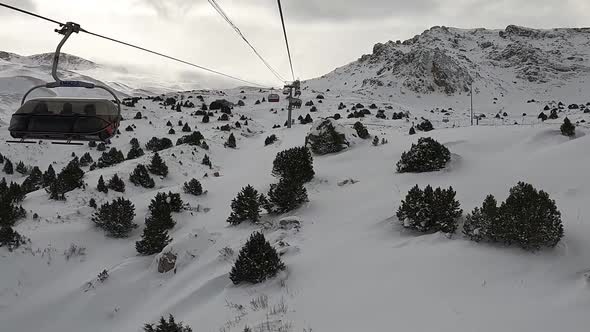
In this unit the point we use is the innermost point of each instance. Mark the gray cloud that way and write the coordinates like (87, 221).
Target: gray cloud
(170, 8)
(24, 4)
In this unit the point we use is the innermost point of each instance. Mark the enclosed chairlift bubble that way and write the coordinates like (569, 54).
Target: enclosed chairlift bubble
(273, 98)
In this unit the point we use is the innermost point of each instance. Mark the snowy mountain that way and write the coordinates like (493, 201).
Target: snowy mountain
(350, 264)
(447, 60)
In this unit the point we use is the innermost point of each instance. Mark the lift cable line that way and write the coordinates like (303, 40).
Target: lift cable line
(221, 12)
(133, 46)
(286, 40)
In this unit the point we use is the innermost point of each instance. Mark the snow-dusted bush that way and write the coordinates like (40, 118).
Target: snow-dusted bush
(158, 144)
(141, 177)
(158, 166)
(270, 140)
(568, 128)
(425, 125)
(326, 136)
(295, 164)
(245, 207)
(286, 195)
(257, 261)
(528, 218)
(231, 141)
(193, 139)
(116, 218)
(193, 187)
(110, 158)
(167, 326)
(116, 184)
(426, 156)
(361, 130)
(430, 210)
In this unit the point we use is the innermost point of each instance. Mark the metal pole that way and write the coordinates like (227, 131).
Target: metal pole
(471, 93)
(290, 106)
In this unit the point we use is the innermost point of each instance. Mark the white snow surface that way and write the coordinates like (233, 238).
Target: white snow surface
(350, 265)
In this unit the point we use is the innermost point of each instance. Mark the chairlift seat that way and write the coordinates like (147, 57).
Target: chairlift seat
(65, 119)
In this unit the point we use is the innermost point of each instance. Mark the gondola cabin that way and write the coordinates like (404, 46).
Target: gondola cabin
(68, 119)
(273, 98)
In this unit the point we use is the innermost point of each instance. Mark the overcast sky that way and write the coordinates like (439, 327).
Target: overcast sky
(324, 34)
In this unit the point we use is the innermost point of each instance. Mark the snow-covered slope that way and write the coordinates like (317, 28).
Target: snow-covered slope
(350, 267)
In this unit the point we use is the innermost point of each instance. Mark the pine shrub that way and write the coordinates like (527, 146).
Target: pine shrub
(141, 177)
(110, 158)
(430, 210)
(158, 166)
(8, 168)
(295, 164)
(34, 181)
(86, 160)
(154, 237)
(257, 261)
(206, 161)
(193, 187)
(158, 144)
(245, 207)
(361, 130)
(270, 140)
(21, 168)
(425, 126)
(528, 218)
(426, 156)
(231, 141)
(568, 128)
(167, 326)
(49, 176)
(325, 139)
(287, 195)
(116, 218)
(186, 128)
(116, 184)
(102, 187)
(193, 139)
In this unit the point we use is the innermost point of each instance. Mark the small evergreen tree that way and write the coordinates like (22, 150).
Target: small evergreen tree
(529, 218)
(141, 177)
(8, 168)
(205, 118)
(21, 168)
(158, 144)
(287, 195)
(92, 203)
(110, 158)
(116, 218)
(375, 141)
(34, 181)
(257, 261)
(193, 187)
(136, 150)
(193, 139)
(482, 222)
(86, 160)
(295, 164)
(568, 128)
(361, 130)
(101, 147)
(153, 239)
(102, 187)
(231, 141)
(116, 184)
(161, 211)
(245, 207)
(158, 166)
(186, 128)
(270, 140)
(167, 326)
(48, 176)
(553, 114)
(92, 144)
(426, 156)
(412, 131)
(206, 161)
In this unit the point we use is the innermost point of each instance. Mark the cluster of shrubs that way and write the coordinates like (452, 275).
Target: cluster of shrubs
(361, 130)
(156, 144)
(325, 138)
(528, 218)
(359, 114)
(293, 167)
(305, 120)
(270, 140)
